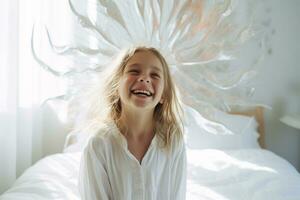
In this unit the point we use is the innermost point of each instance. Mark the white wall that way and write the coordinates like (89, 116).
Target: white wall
(278, 82)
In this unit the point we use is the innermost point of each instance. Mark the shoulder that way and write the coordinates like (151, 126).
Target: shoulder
(177, 144)
(100, 140)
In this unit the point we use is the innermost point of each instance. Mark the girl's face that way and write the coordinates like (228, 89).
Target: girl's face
(142, 82)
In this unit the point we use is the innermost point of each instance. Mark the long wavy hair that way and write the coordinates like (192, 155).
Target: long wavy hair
(106, 107)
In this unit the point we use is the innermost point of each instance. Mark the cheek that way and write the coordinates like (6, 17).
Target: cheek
(125, 84)
(160, 87)
(129, 80)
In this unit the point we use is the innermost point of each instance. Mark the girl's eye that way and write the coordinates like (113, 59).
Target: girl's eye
(155, 75)
(133, 71)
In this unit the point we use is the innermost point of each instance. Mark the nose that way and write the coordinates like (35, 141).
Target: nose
(144, 79)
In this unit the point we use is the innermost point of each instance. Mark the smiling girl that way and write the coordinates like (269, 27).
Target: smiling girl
(139, 152)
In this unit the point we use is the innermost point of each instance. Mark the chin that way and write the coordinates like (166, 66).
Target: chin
(145, 105)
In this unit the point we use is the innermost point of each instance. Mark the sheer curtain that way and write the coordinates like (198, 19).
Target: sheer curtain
(29, 128)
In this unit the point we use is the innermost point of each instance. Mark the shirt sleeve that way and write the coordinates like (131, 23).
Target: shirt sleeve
(93, 178)
(178, 179)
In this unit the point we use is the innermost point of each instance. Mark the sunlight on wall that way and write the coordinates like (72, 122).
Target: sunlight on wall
(35, 84)
(3, 89)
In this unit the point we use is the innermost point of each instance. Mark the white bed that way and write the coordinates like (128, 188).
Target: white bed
(216, 171)
(212, 174)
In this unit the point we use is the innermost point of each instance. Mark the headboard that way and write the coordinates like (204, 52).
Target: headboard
(258, 113)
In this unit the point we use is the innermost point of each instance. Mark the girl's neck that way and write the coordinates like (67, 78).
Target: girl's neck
(137, 124)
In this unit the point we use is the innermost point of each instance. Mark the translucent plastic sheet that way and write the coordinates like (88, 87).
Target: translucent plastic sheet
(205, 42)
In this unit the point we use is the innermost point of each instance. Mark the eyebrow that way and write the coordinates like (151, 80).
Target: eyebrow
(138, 64)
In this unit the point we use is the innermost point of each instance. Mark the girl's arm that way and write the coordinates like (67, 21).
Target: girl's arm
(93, 179)
(178, 180)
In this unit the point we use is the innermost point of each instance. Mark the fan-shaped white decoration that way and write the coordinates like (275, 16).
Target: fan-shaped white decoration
(206, 43)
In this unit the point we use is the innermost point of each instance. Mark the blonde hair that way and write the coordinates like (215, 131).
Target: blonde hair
(167, 116)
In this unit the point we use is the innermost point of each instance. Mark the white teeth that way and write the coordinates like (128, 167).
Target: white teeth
(142, 91)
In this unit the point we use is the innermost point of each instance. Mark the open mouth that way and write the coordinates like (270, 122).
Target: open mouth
(145, 93)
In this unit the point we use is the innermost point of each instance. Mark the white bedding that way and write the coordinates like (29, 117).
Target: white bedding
(241, 174)
(54, 177)
(212, 174)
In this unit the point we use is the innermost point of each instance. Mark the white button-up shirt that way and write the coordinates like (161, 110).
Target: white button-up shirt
(109, 171)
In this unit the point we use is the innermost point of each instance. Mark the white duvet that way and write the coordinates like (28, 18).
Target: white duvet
(212, 174)
(254, 174)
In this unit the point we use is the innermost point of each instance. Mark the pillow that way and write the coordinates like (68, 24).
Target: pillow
(200, 134)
